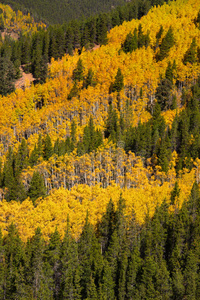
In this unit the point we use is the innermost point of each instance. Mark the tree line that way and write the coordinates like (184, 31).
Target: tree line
(119, 259)
(58, 12)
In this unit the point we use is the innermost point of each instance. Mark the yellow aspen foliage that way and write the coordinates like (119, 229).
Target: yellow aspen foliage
(52, 211)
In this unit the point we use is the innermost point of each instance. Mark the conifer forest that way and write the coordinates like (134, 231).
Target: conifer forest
(100, 150)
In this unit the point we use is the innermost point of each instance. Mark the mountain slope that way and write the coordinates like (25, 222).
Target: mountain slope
(63, 11)
(101, 124)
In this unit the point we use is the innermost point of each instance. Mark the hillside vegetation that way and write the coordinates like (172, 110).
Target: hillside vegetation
(58, 12)
(122, 118)
(15, 24)
(100, 156)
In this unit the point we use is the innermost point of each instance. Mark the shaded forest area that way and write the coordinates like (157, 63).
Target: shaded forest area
(119, 259)
(59, 12)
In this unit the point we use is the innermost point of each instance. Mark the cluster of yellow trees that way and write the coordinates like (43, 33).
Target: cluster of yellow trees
(17, 22)
(142, 193)
(93, 180)
(53, 211)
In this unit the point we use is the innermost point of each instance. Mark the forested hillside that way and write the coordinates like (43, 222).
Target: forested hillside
(122, 117)
(100, 157)
(125, 115)
(60, 11)
(23, 53)
(121, 259)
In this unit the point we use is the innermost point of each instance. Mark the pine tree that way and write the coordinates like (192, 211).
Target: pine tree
(10, 180)
(21, 160)
(37, 187)
(37, 273)
(106, 226)
(73, 134)
(69, 39)
(147, 287)
(112, 125)
(102, 29)
(163, 93)
(133, 271)
(119, 82)
(106, 282)
(89, 80)
(175, 193)
(191, 275)
(90, 258)
(53, 47)
(166, 44)
(78, 71)
(7, 76)
(70, 268)
(131, 42)
(158, 36)
(74, 91)
(52, 261)
(191, 54)
(15, 287)
(48, 148)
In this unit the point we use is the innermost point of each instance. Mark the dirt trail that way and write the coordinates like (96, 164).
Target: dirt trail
(24, 81)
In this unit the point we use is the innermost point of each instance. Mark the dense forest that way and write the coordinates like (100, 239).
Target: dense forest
(124, 116)
(119, 259)
(60, 11)
(100, 154)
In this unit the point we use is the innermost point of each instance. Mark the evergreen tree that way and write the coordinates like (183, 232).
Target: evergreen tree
(33, 157)
(15, 188)
(163, 94)
(7, 76)
(169, 72)
(143, 39)
(21, 160)
(147, 288)
(191, 275)
(197, 20)
(175, 193)
(90, 258)
(53, 49)
(112, 125)
(119, 82)
(48, 148)
(166, 44)
(191, 54)
(37, 187)
(102, 28)
(89, 80)
(52, 261)
(107, 226)
(106, 282)
(70, 268)
(133, 271)
(69, 38)
(15, 287)
(74, 91)
(130, 43)
(78, 71)
(158, 36)
(37, 273)
(92, 138)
